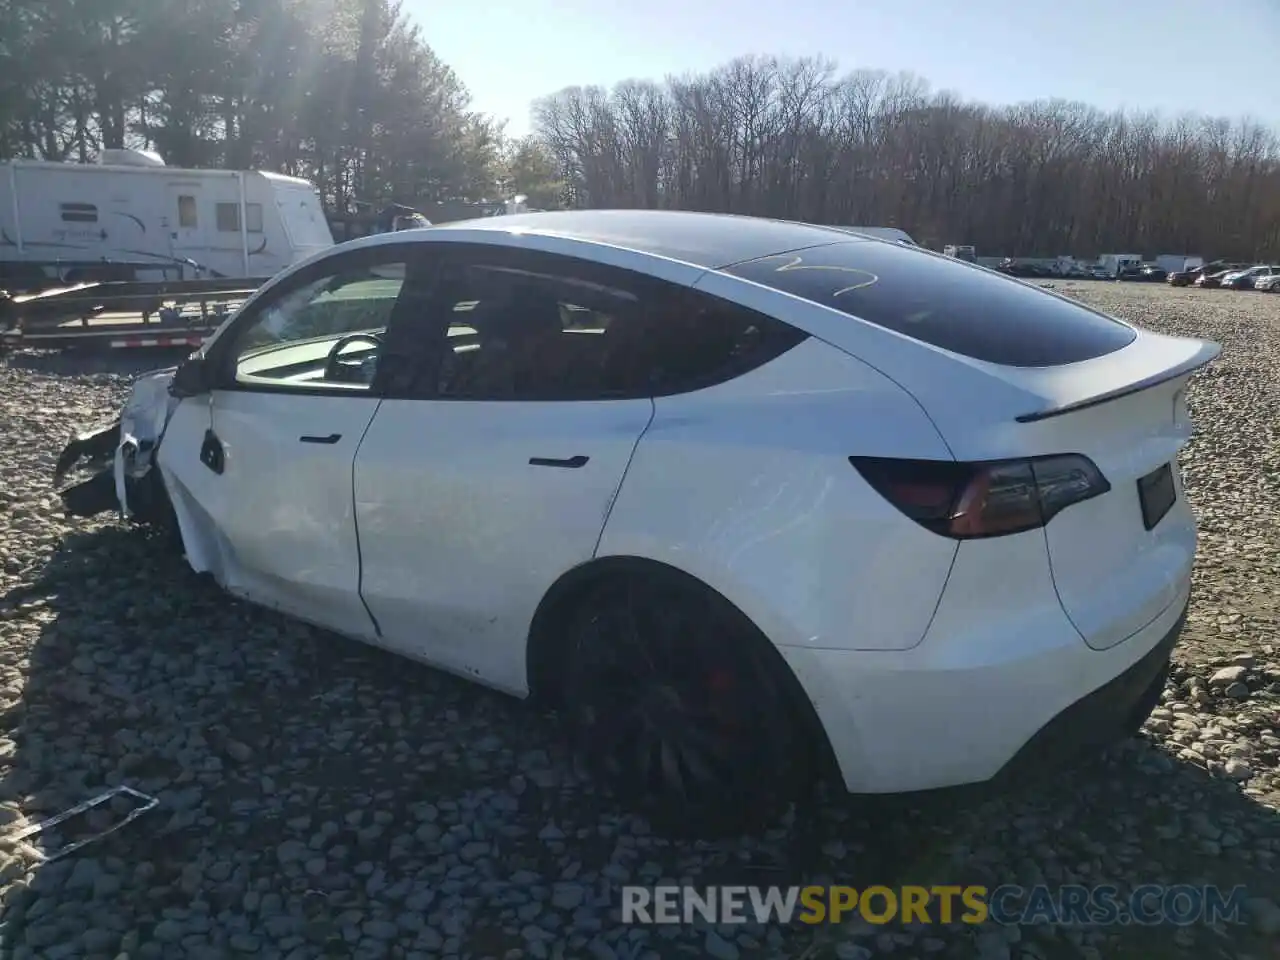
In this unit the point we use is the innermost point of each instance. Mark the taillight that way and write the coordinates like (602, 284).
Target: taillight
(985, 499)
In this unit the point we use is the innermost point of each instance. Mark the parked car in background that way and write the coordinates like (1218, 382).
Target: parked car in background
(1098, 272)
(1142, 273)
(1209, 280)
(1024, 269)
(1185, 278)
(1244, 279)
(1269, 283)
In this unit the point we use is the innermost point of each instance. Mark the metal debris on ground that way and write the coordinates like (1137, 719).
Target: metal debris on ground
(149, 803)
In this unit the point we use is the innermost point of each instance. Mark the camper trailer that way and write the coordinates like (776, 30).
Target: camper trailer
(1178, 262)
(130, 217)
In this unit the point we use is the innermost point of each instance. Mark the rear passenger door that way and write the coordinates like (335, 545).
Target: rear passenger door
(490, 471)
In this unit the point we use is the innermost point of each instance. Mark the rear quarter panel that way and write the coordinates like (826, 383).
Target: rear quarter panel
(748, 487)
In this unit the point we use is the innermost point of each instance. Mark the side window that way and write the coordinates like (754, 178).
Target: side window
(187, 212)
(78, 212)
(569, 330)
(296, 340)
(228, 217)
(710, 341)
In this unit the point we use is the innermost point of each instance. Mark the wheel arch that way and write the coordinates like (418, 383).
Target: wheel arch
(545, 647)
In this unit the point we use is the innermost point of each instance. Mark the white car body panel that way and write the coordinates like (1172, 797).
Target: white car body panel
(1112, 575)
(461, 537)
(747, 485)
(278, 526)
(955, 709)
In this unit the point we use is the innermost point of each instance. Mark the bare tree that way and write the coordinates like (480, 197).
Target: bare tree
(790, 138)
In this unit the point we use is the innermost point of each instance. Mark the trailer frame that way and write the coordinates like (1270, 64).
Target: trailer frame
(96, 316)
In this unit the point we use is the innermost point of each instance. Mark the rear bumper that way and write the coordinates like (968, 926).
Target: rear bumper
(919, 720)
(1112, 712)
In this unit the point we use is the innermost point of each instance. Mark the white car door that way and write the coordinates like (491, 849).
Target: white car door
(259, 468)
(479, 488)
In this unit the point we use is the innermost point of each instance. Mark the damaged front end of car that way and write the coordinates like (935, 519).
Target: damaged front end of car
(111, 468)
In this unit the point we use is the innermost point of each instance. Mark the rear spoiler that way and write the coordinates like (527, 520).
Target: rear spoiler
(1207, 353)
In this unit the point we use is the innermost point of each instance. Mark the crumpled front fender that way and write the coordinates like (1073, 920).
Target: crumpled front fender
(94, 448)
(124, 452)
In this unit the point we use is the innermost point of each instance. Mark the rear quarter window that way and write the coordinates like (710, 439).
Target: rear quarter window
(943, 302)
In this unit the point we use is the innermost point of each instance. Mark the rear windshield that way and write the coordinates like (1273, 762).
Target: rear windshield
(944, 302)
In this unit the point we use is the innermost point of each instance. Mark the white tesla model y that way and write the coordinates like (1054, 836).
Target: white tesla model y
(743, 497)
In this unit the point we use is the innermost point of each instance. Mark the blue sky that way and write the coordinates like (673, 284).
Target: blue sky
(1171, 55)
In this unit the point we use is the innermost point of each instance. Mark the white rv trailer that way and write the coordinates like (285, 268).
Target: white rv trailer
(1177, 262)
(159, 222)
(1113, 263)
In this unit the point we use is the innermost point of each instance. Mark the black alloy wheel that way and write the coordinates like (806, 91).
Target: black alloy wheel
(676, 708)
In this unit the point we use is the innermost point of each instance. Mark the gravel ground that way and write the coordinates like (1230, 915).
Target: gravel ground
(322, 799)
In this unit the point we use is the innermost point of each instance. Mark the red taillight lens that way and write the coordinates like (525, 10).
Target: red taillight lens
(986, 499)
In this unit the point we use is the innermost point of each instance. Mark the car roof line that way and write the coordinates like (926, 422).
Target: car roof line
(851, 238)
(510, 240)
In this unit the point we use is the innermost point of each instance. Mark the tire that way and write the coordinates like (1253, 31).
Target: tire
(1146, 703)
(153, 509)
(677, 707)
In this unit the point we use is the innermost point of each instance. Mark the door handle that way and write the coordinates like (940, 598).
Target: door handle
(331, 438)
(572, 463)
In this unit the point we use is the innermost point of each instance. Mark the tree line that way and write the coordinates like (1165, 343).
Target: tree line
(346, 93)
(791, 138)
(349, 94)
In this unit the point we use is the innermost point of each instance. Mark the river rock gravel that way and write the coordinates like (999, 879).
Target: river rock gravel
(319, 798)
